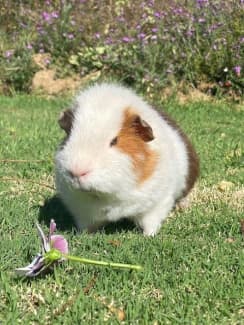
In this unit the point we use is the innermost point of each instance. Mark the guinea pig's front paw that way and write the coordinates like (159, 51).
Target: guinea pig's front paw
(149, 232)
(151, 222)
(150, 227)
(184, 203)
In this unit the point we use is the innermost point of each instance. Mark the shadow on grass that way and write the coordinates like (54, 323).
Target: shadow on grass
(123, 225)
(53, 208)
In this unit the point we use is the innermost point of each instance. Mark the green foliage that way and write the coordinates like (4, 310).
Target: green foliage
(193, 269)
(18, 73)
(144, 43)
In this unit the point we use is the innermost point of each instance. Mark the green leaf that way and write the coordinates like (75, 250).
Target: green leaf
(74, 60)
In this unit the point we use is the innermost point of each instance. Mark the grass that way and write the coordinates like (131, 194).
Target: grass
(193, 269)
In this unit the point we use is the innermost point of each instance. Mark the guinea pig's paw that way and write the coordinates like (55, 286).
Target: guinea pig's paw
(150, 225)
(151, 222)
(149, 232)
(184, 203)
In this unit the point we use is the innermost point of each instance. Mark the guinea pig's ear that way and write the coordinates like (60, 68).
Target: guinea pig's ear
(65, 120)
(143, 129)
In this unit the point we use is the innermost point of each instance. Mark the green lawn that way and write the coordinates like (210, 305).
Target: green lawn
(193, 269)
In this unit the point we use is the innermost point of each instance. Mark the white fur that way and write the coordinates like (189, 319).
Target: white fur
(111, 191)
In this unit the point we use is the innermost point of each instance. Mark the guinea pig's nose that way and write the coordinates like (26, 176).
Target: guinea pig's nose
(78, 173)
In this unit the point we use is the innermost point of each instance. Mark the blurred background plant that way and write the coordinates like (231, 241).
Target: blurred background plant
(148, 44)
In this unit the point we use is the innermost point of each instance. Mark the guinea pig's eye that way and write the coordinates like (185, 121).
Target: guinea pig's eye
(114, 141)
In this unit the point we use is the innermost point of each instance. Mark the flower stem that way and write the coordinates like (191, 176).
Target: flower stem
(102, 263)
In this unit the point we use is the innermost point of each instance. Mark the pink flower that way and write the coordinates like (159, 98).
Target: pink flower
(70, 36)
(52, 244)
(46, 16)
(54, 14)
(55, 250)
(127, 39)
(237, 70)
(57, 241)
(9, 53)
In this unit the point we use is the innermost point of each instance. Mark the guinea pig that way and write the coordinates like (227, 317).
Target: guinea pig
(121, 158)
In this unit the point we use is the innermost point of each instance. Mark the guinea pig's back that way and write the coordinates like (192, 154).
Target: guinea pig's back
(183, 152)
(179, 163)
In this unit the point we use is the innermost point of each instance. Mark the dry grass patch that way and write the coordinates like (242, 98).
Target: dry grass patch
(225, 192)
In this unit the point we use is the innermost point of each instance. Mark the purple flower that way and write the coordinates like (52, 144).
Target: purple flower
(237, 70)
(178, 11)
(53, 246)
(157, 14)
(46, 16)
(127, 39)
(189, 33)
(54, 14)
(70, 36)
(9, 53)
(212, 28)
(29, 46)
(151, 3)
(202, 3)
(201, 20)
(109, 41)
(141, 35)
(47, 61)
(155, 30)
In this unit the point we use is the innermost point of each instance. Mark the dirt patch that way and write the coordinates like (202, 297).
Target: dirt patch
(45, 81)
(194, 95)
(185, 95)
(41, 60)
(207, 87)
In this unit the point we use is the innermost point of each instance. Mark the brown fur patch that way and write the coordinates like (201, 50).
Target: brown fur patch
(143, 129)
(66, 120)
(132, 143)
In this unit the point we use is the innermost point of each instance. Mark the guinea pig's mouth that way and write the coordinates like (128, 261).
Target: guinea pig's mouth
(94, 193)
(81, 186)
(85, 187)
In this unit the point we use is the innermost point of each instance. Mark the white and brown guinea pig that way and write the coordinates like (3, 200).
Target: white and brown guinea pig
(121, 159)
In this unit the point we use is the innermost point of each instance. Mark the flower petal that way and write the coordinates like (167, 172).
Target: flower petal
(45, 244)
(60, 243)
(52, 227)
(34, 268)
